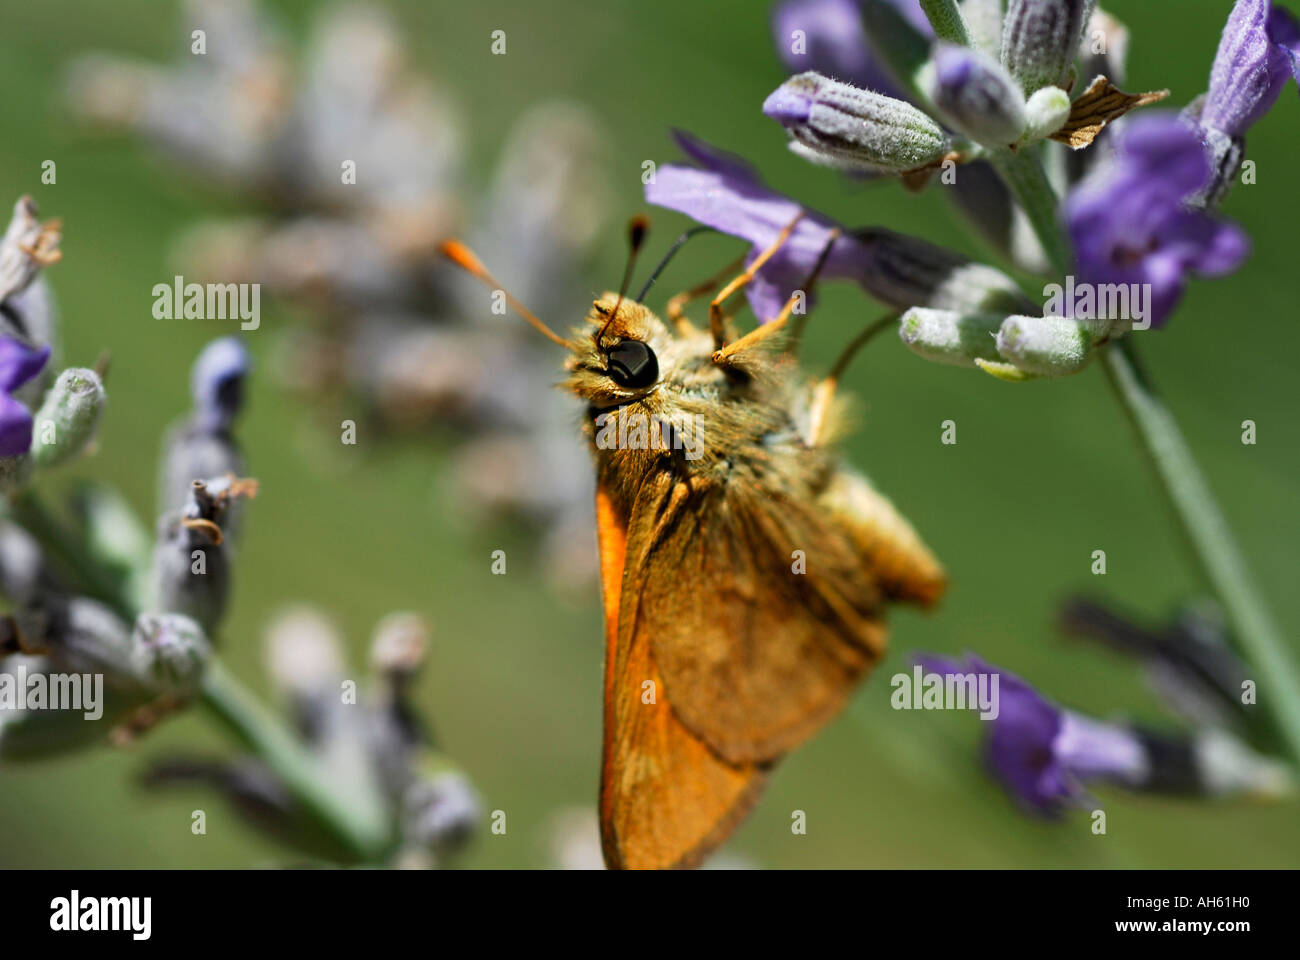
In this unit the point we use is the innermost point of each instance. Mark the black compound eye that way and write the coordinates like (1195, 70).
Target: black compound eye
(633, 364)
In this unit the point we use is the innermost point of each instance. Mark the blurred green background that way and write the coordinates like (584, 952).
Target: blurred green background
(1042, 475)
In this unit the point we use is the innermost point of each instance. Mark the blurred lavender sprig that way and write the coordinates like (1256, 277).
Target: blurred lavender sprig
(127, 627)
(359, 159)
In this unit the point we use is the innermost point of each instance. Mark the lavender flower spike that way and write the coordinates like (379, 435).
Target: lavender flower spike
(1131, 224)
(838, 125)
(1256, 57)
(18, 364)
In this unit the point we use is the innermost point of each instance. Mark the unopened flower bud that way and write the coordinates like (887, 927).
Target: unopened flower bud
(1048, 346)
(1226, 767)
(907, 272)
(398, 647)
(1046, 112)
(977, 95)
(217, 383)
(84, 636)
(839, 125)
(68, 420)
(26, 247)
(984, 24)
(1040, 39)
(946, 336)
(440, 811)
(169, 653)
(192, 561)
(23, 572)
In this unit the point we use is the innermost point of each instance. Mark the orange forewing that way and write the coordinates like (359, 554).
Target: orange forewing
(666, 800)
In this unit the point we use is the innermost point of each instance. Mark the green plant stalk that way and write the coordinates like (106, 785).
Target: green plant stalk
(1254, 632)
(1025, 177)
(357, 821)
(946, 18)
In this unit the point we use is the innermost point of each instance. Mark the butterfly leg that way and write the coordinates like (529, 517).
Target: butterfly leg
(824, 391)
(716, 325)
(677, 304)
(766, 330)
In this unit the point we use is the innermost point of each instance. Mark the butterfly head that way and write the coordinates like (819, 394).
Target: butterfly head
(618, 358)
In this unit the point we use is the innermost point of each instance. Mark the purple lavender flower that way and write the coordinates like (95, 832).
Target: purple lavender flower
(1044, 754)
(1130, 220)
(217, 383)
(725, 193)
(1259, 52)
(18, 364)
(834, 40)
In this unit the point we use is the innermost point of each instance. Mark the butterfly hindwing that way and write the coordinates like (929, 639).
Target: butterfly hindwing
(666, 799)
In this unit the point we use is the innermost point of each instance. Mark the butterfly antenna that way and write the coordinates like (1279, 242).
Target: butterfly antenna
(672, 252)
(464, 257)
(636, 232)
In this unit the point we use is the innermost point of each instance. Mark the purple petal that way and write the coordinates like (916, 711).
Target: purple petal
(719, 161)
(1250, 68)
(836, 42)
(1284, 31)
(1212, 248)
(19, 363)
(15, 427)
(785, 105)
(728, 198)
(1092, 750)
(1163, 152)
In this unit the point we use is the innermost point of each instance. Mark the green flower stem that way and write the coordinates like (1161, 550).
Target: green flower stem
(1255, 634)
(1024, 176)
(69, 554)
(353, 815)
(357, 820)
(1253, 629)
(946, 18)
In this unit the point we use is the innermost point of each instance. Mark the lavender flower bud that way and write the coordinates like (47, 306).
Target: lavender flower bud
(217, 383)
(906, 271)
(1047, 346)
(304, 659)
(192, 559)
(440, 811)
(27, 735)
(1040, 39)
(68, 420)
(1225, 766)
(23, 573)
(169, 653)
(84, 636)
(984, 24)
(839, 125)
(1046, 112)
(203, 446)
(399, 646)
(26, 247)
(977, 95)
(946, 336)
